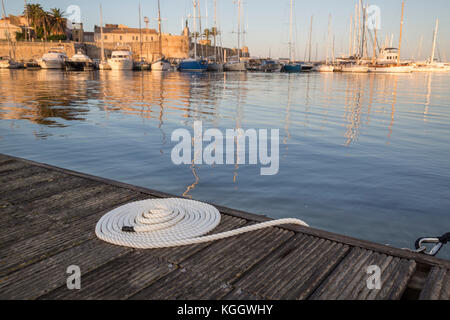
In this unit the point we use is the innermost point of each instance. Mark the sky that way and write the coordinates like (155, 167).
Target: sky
(266, 22)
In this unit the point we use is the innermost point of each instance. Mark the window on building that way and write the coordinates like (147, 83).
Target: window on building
(120, 37)
(106, 37)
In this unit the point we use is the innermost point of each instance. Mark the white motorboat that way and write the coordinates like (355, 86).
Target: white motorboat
(161, 65)
(55, 58)
(79, 62)
(121, 59)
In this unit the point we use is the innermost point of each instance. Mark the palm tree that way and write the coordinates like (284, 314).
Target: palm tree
(37, 17)
(207, 34)
(57, 21)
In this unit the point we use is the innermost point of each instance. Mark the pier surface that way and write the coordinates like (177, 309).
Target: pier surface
(48, 217)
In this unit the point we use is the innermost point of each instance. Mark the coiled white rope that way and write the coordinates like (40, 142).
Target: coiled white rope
(164, 223)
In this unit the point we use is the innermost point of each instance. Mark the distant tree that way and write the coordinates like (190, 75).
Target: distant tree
(57, 21)
(45, 24)
(207, 34)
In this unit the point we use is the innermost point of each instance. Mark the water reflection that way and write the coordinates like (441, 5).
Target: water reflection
(354, 147)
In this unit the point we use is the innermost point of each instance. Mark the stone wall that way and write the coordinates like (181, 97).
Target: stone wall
(29, 50)
(174, 47)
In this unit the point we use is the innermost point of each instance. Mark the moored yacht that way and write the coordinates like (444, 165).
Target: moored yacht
(8, 63)
(235, 65)
(121, 59)
(193, 64)
(161, 65)
(79, 62)
(324, 68)
(55, 58)
(355, 68)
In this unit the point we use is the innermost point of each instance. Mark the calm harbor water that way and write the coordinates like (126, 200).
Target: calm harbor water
(362, 155)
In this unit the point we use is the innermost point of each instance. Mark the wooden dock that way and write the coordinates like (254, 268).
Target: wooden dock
(48, 216)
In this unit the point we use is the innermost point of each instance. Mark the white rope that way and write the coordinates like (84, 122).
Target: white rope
(164, 223)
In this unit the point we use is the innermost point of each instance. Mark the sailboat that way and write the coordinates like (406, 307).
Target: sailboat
(103, 64)
(291, 67)
(161, 64)
(141, 64)
(431, 65)
(326, 67)
(216, 65)
(389, 59)
(194, 64)
(237, 64)
(8, 62)
(357, 66)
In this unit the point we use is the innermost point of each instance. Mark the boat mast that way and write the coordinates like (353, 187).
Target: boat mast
(433, 49)
(363, 30)
(328, 39)
(140, 31)
(195, 29)
(101, 34)
(350, 45)
(290, 35)
(239, 30)
(401, 31)
(159, 30)
(310, 39)
(8, 36)
(359, 28)
(215, 31)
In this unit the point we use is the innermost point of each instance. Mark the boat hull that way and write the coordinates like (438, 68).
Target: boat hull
(52, 64)
(237, 66)
(161, 65)
(355, 69)
(291, 68)
(393, 69)
(120, 64)
(324, 68)
(79, 66)
(193, 66)
(215, 67)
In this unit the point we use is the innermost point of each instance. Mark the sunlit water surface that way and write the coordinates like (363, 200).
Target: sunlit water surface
(361, 155)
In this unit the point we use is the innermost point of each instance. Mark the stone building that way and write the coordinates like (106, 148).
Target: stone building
(118, 33)
(13, 25)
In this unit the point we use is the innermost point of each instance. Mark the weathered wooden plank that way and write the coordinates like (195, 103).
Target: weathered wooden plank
(437, 285)
(349, 279)
(60, 236)
(33, 218)
(294, 270)
(130, 274)
(45, 189)
(228, 259)
(40, 278)
(17, 176)
(118, 279)
(179, 254)
(240, 294)
(12, 166)
(183, 284)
